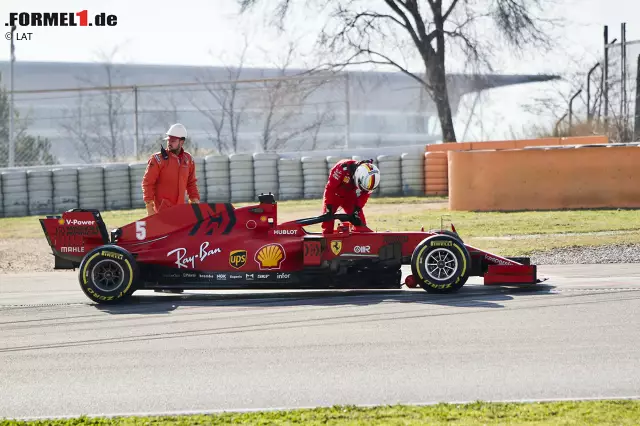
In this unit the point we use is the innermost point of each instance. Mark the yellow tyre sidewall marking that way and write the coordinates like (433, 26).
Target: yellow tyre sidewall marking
(442, 286)
(85, 274)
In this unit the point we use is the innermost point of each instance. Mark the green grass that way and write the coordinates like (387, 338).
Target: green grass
(613, 412)
(487, 230)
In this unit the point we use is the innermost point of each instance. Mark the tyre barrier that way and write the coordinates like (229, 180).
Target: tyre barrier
(412, 169)
(391, 185)
(15, 196)
(242, 178)
(290, 179)
(314, 176)
(234, 178)
(116, 177)
(265, 178)
(136, 173)
(40, 191)
(218, 179)
(91, 192)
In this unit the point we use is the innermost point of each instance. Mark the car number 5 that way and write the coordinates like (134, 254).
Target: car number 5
(141, 230)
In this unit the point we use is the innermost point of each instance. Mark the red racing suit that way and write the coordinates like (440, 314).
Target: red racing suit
(167, 179)
(341, 191)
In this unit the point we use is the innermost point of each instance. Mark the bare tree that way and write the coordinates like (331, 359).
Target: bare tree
(98, 125)
(282, 101)
(226, 115)
(365, 34)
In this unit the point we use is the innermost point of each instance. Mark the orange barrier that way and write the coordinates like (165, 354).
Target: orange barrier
(512, 144)
(561, 178)
(436, 179)
(436, 175)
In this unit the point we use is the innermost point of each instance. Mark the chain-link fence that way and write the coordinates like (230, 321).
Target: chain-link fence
(112, 122)
(619, 106)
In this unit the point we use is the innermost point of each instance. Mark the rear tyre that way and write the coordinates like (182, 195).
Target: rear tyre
(441, 264)
(108, 274)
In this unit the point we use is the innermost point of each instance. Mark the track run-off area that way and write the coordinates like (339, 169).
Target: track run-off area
(575, 336)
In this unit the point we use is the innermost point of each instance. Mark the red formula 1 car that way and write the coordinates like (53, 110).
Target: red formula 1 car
(217, 246)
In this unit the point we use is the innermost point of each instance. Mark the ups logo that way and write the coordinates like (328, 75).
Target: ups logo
(238, 258)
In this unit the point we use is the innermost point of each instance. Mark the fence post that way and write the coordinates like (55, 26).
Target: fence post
(12, 140)
(636, 126)
(135, 120)
(571, 111)
(606, 79)
(589, 114)
(347, 109)
(558, 124)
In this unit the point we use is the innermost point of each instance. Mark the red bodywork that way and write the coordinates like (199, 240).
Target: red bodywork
(210, 239)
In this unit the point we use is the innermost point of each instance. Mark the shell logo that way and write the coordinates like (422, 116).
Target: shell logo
(270, 256)
(61, 221)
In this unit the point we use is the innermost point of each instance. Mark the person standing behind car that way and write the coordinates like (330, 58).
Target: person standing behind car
(169, 174)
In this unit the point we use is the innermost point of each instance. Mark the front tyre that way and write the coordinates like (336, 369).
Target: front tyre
(108, 274)
(441, 264)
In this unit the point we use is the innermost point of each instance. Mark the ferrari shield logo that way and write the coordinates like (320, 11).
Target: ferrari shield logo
(336, 246)
(238, 258)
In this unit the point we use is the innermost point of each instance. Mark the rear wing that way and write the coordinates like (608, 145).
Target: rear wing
(73, 234)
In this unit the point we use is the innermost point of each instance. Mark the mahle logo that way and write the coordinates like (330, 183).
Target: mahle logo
(238, 258)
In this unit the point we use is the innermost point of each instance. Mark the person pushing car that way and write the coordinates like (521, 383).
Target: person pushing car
(169, 174)
(349, 186)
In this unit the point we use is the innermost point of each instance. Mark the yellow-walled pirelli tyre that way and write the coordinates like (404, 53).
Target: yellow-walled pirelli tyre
(441, 264)
(108, 274)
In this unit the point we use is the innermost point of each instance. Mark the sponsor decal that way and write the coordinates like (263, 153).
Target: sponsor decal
(238, 258)
(362, 249)
(235, 276)
(336, 246)
(251, 224)
(496, 260)
(312, 248)
(395, 239)
(264, 276)
(346, 179)
(188, 275)
(184, 261)
(76, 231)
(80, 222)
(210, 276)
(283, 276)
(285, 232)
(270, 256)
(249, 277)
(112, 255)
(441, 243)
(72, 249)
(221, 277)
(170, 275)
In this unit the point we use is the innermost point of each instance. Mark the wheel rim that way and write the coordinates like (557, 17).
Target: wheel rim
(441, 264)
(107, 275)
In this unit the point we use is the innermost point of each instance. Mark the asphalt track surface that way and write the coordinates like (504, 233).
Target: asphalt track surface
(576, 336)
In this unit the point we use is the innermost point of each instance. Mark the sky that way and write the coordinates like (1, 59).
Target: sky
(201, 32)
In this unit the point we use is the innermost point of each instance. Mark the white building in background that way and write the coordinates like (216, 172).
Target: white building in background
(369, 109)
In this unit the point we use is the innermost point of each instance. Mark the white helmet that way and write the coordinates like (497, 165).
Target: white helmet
(367, 177)
(177, 130)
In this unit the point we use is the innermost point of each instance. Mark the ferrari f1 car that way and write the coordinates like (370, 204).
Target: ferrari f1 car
(217, 246)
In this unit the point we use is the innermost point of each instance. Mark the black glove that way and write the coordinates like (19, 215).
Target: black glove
(355, 217)
(328, 209)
